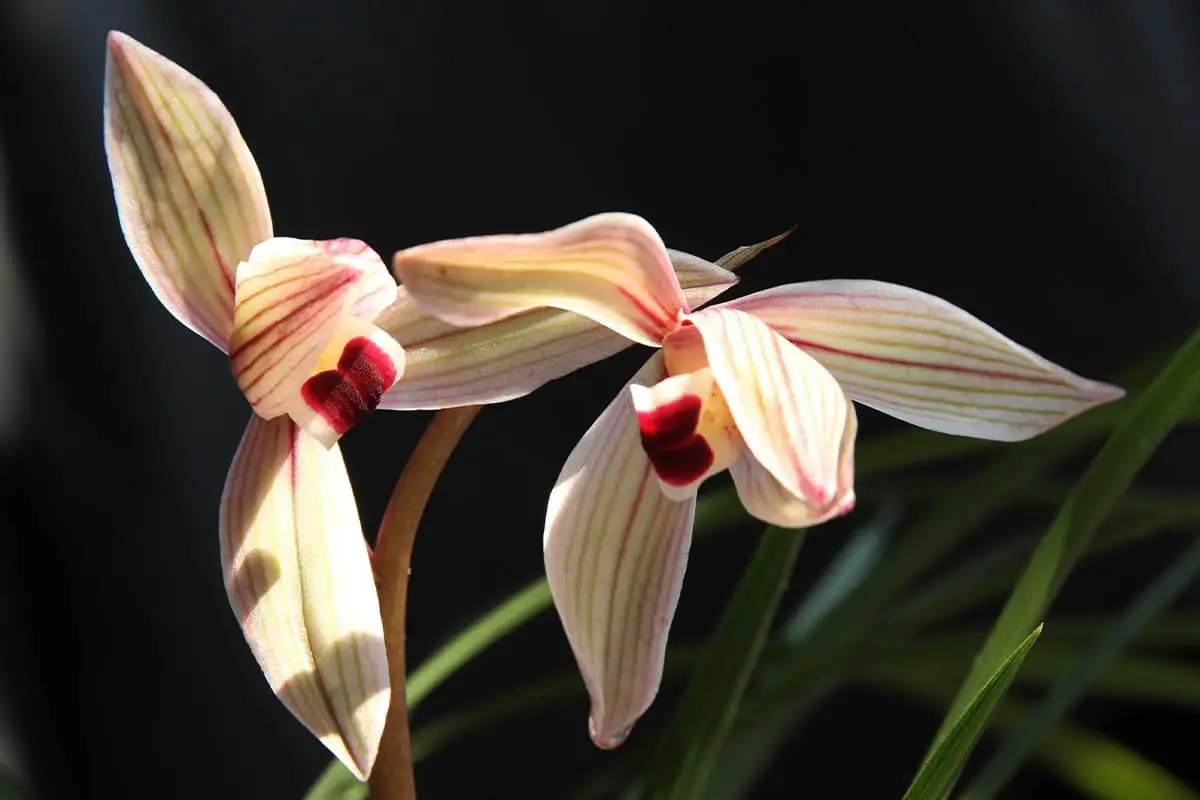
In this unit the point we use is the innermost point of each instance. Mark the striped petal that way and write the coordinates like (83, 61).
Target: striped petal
(612, 268)
(925, 361)
(616, 548)
(766, 499)
(303, 343)
(790, 411)
(299, 578)
(448, 366)
(189, 195)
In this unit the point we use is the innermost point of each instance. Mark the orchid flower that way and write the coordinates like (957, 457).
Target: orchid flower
(761, 386)
(295, 318)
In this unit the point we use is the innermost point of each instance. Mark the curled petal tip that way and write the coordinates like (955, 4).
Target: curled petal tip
(604, 738)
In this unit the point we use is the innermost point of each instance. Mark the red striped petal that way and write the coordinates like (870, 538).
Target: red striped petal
(299, 579)
(615, 549)
(189, 195)
(925, 361)
(790, 411)
(612, 268)
(302, 342)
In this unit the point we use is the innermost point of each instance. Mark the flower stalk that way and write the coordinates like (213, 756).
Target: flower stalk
(392, 778)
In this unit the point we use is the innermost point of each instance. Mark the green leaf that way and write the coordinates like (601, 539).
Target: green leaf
(744, 760)
(1150, 603)
(705, 713)
(477, 637)
(1096, 766)
(1172, 394)
(939, 771)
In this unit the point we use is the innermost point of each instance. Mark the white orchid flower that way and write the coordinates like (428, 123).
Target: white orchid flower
(761, 386)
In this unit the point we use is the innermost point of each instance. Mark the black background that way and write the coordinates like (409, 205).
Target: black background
(1034, 162)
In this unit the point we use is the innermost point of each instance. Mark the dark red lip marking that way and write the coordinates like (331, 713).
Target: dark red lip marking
(679, 455)
(346, 395)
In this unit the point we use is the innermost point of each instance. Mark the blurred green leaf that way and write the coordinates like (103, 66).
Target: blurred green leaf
(944, 657)
(1173, 393)
(989, 574)
(705, 713)
(744, 760)
(336, 783)
(949, 751)
(1094, 765)
(1153, 600)
(477, 637)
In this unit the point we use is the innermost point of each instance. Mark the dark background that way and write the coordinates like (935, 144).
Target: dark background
(1035, 162)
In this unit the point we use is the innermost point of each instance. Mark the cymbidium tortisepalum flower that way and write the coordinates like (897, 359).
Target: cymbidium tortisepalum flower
(295, 318)
(761, 386)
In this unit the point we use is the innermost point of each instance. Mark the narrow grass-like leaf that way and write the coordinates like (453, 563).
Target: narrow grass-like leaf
(500, 621)
(1150, 603)
(1096, 766)
(702, 720)
(949, 752)
(743, 762)
(1172, 394)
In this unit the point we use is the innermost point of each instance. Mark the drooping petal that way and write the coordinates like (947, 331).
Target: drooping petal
(299, 579)
(616, 548)
(449, 366)
(687, 431)
(766, 499)
(790, 411)
(612, 268)
(189, 195)
(925, 361)
(302, 342)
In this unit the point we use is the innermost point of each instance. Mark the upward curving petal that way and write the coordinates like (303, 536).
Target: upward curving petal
(299, 579)
(615, 550)
(612, 268)
(189, 195)
(302, 342)
(925, 361)
(449, 366)
(790, 411)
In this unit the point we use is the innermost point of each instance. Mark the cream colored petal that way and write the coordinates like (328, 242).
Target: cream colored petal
(925, 361)
(790, 411)
(766, 499)
(299, 579)
(615, 550)
(303, 343)
(189, 195)
(612, 268)
(449, 366)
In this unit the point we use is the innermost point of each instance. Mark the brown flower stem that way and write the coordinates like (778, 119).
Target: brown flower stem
(392, 776)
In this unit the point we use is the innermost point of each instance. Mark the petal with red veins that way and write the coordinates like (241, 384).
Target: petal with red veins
(766, 499)
(790, 411)
(612, 268)
(449, 366)
(303, 343)
(924, 360)
(299, 579)
(189, 195)
(616, 548)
